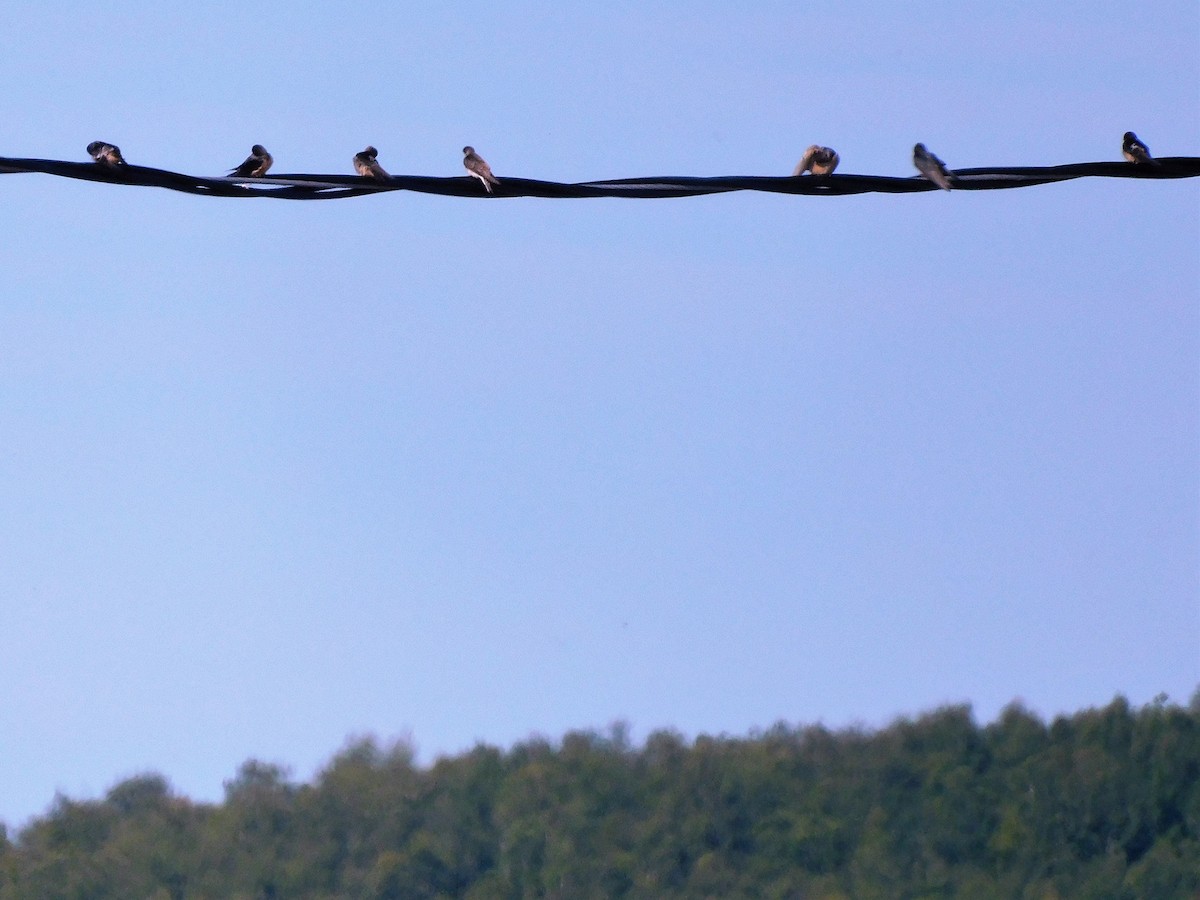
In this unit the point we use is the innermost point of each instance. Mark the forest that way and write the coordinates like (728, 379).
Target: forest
(1103, 803)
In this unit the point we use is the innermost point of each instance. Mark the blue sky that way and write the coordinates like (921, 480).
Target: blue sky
(277, 474)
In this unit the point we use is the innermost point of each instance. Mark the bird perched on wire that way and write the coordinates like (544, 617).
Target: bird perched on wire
(476, 166)
(1137, 152)
(256, 163)
(818, 160)
(931, 167)
(366, 166)
(108, 155)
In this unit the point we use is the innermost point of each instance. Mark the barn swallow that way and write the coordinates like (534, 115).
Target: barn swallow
(366, 166)
(1135, 151)
(818, 160)
(106, 154)
(931, 167)
(477, 167)
(256, 163)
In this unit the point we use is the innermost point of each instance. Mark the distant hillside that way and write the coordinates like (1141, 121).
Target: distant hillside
(1104, 803)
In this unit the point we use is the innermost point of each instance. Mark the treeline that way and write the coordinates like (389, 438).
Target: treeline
(1104, 803)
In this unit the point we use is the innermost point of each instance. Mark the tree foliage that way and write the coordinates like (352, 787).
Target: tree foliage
(1104, 803)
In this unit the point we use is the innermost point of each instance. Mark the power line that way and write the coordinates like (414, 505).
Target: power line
(330, 187)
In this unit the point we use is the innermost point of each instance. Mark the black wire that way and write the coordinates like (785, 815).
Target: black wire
(329, 187)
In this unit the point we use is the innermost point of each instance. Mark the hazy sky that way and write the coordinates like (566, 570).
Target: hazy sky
(274, 474)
